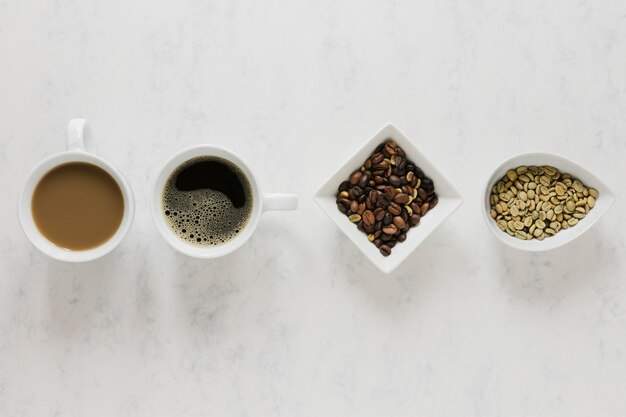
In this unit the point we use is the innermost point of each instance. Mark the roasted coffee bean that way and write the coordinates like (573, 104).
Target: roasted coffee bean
(368, 218)
(401, 199)
(399, 222)
(381, 166)
(373, 197)
(344, 202)
(389, 149)
(395, 180)
(395, 209)
(422, 194)
(385, 250)
(427, 183)
(354, 178)
(390, 229)
(389, 194)
(377, 158)
(379, 213)
(364, 179)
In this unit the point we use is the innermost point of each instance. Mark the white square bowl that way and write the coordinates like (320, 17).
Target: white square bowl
(604, 201)
(449, 200)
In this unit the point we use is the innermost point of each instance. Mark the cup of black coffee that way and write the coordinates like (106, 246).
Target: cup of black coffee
(206, 202)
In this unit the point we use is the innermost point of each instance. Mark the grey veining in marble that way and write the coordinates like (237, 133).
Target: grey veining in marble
(298, 322)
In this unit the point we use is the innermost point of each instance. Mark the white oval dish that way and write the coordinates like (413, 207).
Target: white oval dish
(603, 203)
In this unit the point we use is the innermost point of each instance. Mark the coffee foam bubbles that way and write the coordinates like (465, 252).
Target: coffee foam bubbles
(203, 217)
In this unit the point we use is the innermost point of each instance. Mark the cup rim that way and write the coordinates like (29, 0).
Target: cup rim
(156, 192)
(34, 235)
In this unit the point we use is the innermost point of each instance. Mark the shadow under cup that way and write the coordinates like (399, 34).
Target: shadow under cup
(35, 235)
(158, 209)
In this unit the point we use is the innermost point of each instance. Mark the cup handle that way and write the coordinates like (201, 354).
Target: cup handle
(280, 201)
(79, 137)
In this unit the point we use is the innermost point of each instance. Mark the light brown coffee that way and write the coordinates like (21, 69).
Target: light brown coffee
(78, 206)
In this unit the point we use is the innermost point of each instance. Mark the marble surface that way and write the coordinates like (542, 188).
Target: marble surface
(298, 322)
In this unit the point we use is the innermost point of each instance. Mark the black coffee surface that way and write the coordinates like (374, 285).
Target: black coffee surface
(214, 175)
(207, 201)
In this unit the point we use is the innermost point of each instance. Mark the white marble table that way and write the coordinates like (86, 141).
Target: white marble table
(297, 322)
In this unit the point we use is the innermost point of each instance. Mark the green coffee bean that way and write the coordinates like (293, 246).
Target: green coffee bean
(354, 218)
(538, 201)
(520, 235)
(591, 200)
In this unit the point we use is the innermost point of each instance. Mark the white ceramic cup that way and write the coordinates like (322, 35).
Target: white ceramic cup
(80, 148)
(260, 202)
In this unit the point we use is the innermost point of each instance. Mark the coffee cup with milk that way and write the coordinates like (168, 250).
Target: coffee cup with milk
(75, 206)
